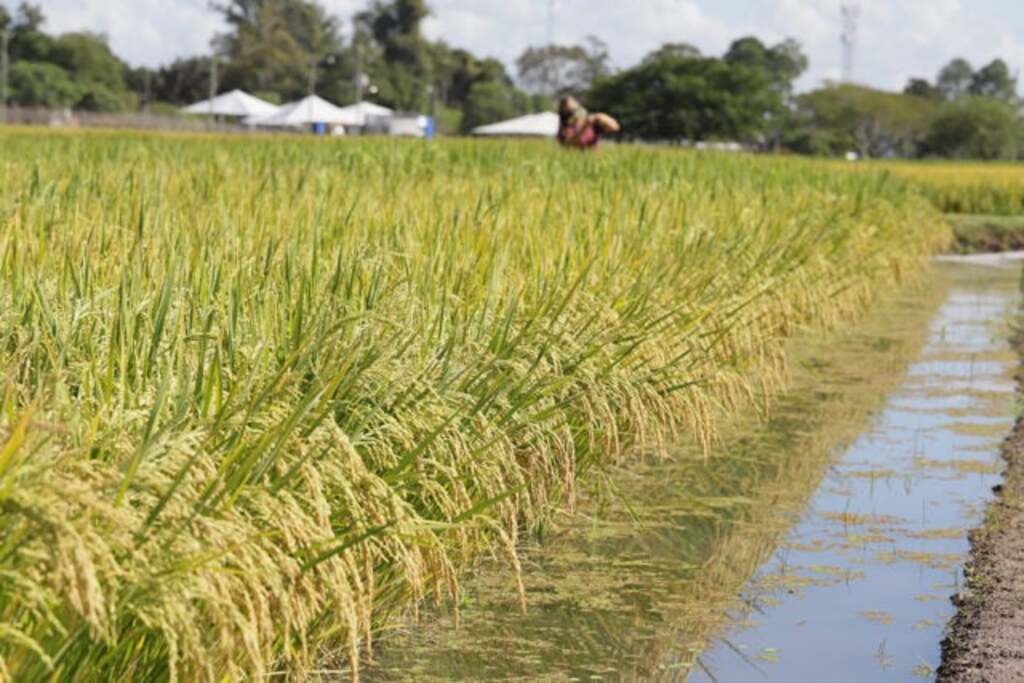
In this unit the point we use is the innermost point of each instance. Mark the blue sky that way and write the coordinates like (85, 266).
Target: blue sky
(899, 38)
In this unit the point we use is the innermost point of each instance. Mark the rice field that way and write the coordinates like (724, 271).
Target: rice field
(261, 396)
(964, 187)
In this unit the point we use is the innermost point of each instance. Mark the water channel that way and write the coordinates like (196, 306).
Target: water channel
(821, 541)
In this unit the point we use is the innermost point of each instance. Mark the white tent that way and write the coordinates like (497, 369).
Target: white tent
(361, 113)
(234, 103)
(305, 112)
(544, 124)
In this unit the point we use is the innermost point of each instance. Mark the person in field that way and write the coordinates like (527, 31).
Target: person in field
(579, 129)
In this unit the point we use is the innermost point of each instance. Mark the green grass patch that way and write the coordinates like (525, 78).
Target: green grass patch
(985, 234)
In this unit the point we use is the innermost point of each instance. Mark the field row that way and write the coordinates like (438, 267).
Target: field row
(259, 396)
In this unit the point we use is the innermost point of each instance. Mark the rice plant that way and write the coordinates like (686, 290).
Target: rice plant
(259, 396)
(961, 187)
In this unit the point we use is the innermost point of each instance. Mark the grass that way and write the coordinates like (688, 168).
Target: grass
(973, 234)
(261, 395)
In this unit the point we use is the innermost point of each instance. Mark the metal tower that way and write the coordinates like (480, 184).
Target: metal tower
(850, 19)
(551, 22)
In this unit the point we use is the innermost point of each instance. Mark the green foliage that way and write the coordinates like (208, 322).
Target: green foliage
(920, 87)
(673, 51)
(955, 78)
(489, 102)
(974, 233)
(277, 44)
(88, 59)
(73, 70)
(449, 120)
(680, 98)
(182, 81)
(871, 122)
(976, 128)
(994, 80)
(97, 97)
(28, 41)
(783, 63)
(38, 84)
(394, 52)
(164, 108)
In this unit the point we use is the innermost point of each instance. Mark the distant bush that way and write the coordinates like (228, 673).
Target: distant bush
(38, 84)
(975, 128)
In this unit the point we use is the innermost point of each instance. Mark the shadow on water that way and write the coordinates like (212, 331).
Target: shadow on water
(816, 541)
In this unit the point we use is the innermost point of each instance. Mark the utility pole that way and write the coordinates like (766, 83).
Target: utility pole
(850, 17)
(5, 41)
(360, 80)
(213, 84)
(312, 75)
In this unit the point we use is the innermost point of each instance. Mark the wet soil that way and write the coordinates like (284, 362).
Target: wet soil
(985, 640)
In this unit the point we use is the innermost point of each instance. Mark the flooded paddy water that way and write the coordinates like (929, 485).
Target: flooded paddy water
(819, 542)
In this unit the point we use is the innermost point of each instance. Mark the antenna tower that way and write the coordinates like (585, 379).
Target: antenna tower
(551, 22)
(850, 16)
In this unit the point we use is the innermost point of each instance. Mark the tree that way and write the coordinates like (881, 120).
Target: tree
(677, 50)
(872, 122)
(681, 98)
(394, 53)
(276, 44)
(37, 84)
(489, 102)
(28, 41)
(558, 70)
(783, 63)
(920, 87)
(955, 79)
(976, 128)
(88, 58)
(994, 80)
(183, 81)
(98, 97)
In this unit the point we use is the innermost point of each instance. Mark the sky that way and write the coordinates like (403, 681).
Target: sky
(897, 38)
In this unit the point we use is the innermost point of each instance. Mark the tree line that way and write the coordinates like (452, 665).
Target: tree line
(284, 49)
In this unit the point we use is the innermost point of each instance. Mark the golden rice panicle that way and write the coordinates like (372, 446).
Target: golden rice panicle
(260, 396)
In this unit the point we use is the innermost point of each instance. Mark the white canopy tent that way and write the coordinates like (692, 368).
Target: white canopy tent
(362, 113)
(305, 112)
(544, 124)
(234, 103)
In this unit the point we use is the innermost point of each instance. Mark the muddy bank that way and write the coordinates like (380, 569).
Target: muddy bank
(985, 640)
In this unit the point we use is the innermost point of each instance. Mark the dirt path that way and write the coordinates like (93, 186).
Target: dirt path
(985, 641)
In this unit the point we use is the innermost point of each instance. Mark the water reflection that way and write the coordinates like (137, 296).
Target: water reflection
(638, 583)
(895, 508)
